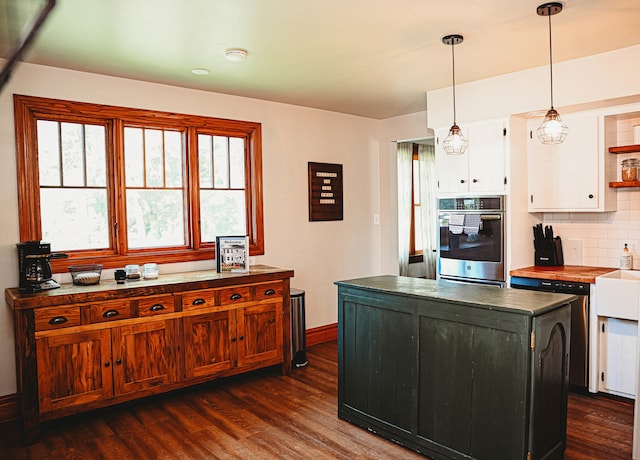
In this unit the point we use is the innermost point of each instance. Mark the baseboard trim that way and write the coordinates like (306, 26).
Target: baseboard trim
(8, 408)
(322, 334)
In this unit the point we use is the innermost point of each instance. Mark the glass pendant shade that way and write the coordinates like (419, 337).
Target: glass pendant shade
(455, 143)
(552, 130)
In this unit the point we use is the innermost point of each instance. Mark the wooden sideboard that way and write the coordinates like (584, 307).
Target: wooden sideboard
(84, 347)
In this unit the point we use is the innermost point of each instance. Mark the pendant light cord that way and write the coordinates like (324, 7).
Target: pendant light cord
(453, 59)
(550, 57)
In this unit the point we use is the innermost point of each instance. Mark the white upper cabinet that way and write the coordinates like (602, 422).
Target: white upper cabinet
(570, 176)
(481, 169)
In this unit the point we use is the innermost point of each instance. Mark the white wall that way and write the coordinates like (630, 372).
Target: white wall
(318, 252)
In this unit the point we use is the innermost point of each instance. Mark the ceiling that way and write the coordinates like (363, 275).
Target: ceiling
(372, 58)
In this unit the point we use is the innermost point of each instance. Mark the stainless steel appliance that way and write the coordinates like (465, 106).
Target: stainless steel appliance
(471, 240)
(34, 267)
(579, 357)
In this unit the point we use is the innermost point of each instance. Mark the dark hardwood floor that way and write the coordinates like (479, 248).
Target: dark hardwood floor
(267, 416)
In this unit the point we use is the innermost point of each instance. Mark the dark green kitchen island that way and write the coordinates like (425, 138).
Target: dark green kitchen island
(455, 370)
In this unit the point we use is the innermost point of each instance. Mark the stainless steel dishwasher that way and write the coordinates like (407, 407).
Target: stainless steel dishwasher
(579, 358)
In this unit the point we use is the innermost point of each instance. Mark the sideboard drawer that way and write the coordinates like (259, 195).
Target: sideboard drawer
(199, 299)
(237, 294)
(57, 317)
(110, 311)
(157, 305)
(269, 291)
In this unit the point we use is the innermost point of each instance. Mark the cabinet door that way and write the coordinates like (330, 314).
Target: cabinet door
(143, 356)
(486, 156)
(377, 363)
(618, 339)
(259, 334)
(452, 171)
(564, 177)
(550, 383)
(472, 366)
(207, 342)
(74, 369)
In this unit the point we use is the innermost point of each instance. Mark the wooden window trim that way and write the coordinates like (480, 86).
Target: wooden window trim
(28, 109)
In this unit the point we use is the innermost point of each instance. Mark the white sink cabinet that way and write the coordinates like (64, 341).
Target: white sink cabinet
(618, 302)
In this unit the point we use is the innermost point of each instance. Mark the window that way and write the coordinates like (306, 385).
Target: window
(115, 185)
(415, 243)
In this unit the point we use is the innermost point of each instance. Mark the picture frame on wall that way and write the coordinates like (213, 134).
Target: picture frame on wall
(232, 254)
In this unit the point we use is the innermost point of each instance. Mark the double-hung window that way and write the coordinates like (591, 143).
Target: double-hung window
(116, 185)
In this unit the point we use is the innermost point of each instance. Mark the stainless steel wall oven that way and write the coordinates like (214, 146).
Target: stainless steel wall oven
(471, 239)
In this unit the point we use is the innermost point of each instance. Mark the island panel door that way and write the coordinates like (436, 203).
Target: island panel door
(471, 370)
(550, 384)
(379, 363)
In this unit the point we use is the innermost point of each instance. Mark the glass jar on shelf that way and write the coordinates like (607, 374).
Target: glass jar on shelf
(630, 168)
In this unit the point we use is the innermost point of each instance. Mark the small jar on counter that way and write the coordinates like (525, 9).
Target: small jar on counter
(630, 168)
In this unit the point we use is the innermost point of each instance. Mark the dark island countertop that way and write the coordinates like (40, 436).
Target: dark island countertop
(531, 303)
(575, 273)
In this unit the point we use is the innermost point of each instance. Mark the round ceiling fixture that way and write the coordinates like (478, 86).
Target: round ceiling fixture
(200, 71)
(236, 54)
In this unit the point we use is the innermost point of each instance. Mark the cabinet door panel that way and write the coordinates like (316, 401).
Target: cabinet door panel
(143, 356)
(259, 333)
(486, 157)
(207, 340)
(451, 170)
(379, 363)
(564, 176)
(456, 407)
(619, 356)
(74, 369)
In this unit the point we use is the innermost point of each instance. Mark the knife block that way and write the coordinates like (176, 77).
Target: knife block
(553, 256)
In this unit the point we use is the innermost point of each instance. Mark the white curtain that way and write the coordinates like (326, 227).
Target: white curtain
(405, 204)
(428, 200)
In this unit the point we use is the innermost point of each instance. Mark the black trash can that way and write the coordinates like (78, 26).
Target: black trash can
(298, 329)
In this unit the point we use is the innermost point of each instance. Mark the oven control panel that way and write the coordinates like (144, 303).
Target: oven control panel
(484, 203)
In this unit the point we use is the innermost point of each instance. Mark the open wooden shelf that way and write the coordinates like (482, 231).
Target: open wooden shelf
(634, 183)
(625, 149)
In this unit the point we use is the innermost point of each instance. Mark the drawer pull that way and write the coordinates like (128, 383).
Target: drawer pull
(236, 296)
(107, 364)
(118, 361)
(57, 320)
(199, 301)
(157, 307)
(110, 313)
(242, 337)
(233, 339)
(269, 292)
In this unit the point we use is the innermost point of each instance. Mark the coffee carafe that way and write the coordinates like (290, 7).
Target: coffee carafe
(34, 266)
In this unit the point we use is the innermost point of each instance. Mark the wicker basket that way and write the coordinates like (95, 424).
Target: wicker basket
(85, 275)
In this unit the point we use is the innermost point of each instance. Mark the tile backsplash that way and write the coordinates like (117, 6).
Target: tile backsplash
(598, 238)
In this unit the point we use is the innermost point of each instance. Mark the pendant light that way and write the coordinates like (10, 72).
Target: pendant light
(455, 143)
(552, 130)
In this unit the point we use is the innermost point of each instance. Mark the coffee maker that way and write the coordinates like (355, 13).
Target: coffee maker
(34, 266)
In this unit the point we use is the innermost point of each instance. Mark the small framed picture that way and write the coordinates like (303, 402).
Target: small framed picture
(232, 254)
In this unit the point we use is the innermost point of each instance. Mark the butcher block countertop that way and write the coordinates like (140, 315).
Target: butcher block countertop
(577, 273)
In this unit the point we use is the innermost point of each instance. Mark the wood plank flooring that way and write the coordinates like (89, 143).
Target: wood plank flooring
(267, 416)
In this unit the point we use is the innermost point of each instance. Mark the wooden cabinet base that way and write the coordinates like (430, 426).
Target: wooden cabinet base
(82, 349)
